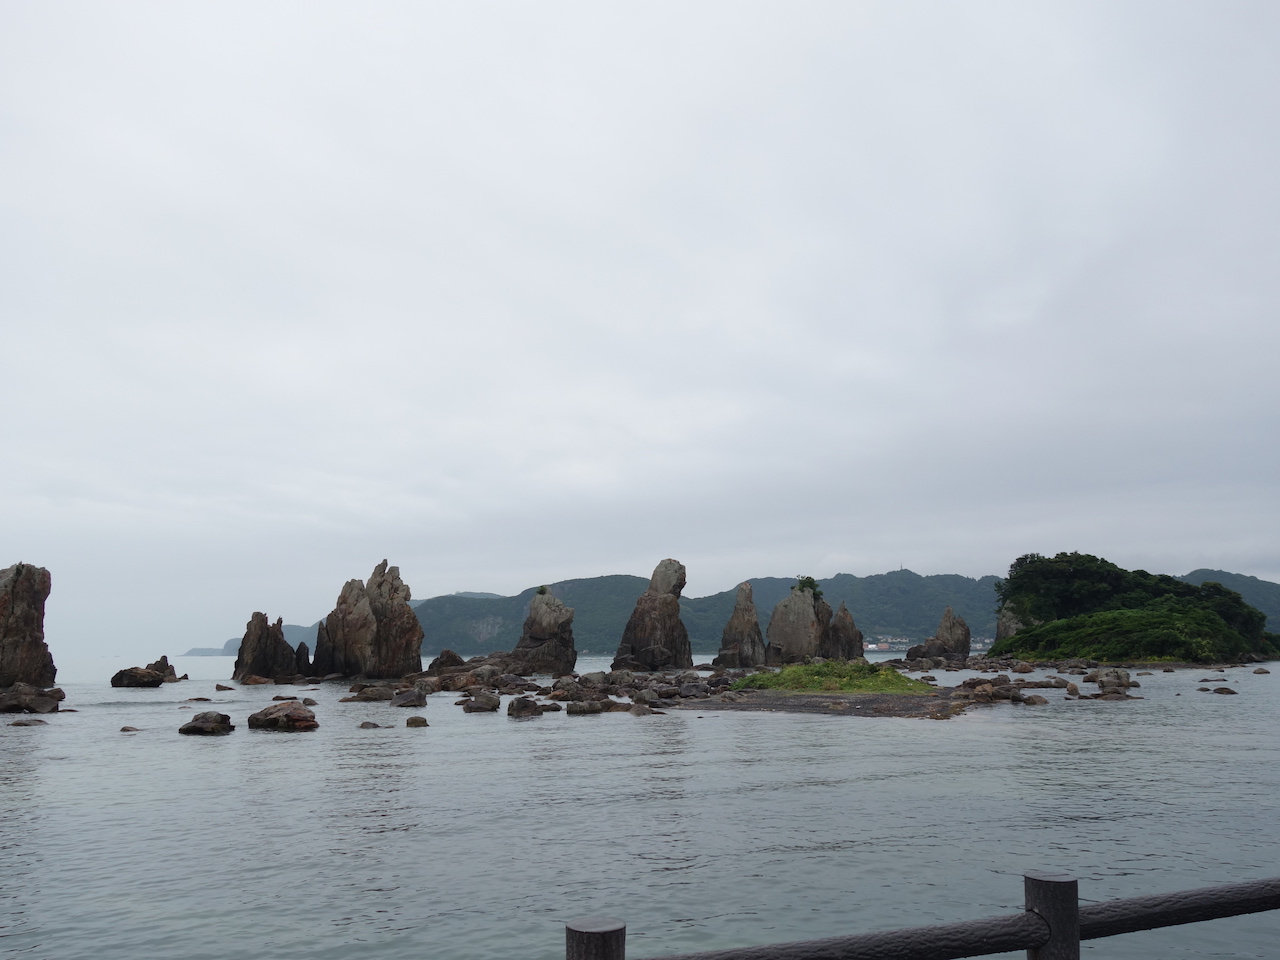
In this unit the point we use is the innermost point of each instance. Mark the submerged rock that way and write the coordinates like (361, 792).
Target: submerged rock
(211, 724)
(741, 642)
(264, 652)
(546, 641)
(655, 637)
(24, 656)
(372, 630)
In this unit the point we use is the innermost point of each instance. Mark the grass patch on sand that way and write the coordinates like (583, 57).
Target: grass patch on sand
(835, 675)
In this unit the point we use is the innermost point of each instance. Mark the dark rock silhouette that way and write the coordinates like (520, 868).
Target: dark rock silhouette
(302, 659)
(797, 627)
(165, 669)
(843, 639)
(546, 642)
(24, 698)
(655, 638)
(209, 724)
(24, 656)
(264, 652)
(137, 677)
(372, 630)
(742, 643)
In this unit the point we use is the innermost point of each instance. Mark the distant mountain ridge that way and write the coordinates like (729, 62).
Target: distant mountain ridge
(900, 604)
(897, 604)
(1262, 594)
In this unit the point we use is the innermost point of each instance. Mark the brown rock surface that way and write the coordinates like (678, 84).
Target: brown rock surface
(546, 642)
(372, 630)
(24, 656)
(655, 637)
(288, 715)
(741, 643)
(209, 724)
(797, 627)
(137, 677)
(264, 652)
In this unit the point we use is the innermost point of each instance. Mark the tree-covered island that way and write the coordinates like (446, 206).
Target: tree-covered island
(1077, 605)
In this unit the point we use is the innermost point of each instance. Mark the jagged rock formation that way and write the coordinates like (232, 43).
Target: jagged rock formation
(741, 643)
(24, 656)
(546, 642)
(954, 634)
(951, 641)
(372, 630)
(843, 639)
(302, 659)
(797, 627)
(655, 638)
(264, 652)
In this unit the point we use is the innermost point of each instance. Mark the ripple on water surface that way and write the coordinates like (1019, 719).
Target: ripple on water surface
(480, 835)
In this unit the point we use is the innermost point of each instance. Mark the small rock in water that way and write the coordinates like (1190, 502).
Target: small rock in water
(308, 702)
(129, 730)
(198, 700)
(283, 696)
(415, 722)
(1226, 690)
(1262, 670)
(370, 725)
(29, 722)
(222, 686)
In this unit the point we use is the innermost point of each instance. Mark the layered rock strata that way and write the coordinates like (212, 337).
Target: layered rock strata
(742, 643)
(24, 656)
(797, 627)
(546, 641)
(655, 637)
(264, 652)
(372, 630)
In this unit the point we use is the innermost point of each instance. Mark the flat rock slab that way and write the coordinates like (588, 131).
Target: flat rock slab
(834, 703)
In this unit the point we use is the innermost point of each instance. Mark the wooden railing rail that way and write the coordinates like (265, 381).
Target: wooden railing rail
(1050, 928)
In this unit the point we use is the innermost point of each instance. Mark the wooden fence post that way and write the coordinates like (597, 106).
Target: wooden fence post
(1055, 897)
(595, 938)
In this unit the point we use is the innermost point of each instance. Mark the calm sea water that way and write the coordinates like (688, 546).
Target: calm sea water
(480, 835)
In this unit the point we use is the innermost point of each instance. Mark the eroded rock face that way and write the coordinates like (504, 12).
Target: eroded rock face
(953, 632)
(742, 643)
(797, 627)
(1007, 624)
(264, 652)
(24, 698)
(655, 637)
(372, 630)
(24, 656)
(546, 642)
(843, 639)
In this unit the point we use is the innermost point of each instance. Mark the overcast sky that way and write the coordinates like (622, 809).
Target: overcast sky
(509, 293)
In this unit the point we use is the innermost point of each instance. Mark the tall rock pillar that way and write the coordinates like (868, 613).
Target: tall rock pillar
(741, 643)
(24, 656)
(655, 637)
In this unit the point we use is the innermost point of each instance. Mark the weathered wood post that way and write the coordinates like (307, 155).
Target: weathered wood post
(595, 938)
(1056, 898)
